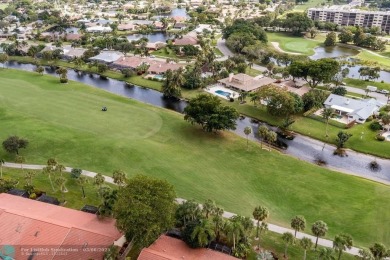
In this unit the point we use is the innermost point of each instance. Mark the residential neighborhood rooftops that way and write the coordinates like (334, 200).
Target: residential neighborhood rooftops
(245, 82)
(28, 223)
(169, 248)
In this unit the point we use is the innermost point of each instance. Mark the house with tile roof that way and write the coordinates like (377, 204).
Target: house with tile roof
(37, 230)
(355, 109)
(169, 248)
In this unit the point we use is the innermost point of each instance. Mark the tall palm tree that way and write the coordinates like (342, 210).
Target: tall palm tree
(260, 214)
(1, 167)
(263, 131)
(82, 180)
(326, 114)
(288, 239)
(341, 243)
(298, 223)
(365, 254)
(218, 221)
(208, 208)
(234, 229)
(60, 168)
(319, 229)
(203, 232)
(379, 251)
(306, 244)
(247, 132)
(119, 177)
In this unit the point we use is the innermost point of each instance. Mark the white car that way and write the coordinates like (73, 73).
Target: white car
(383, 91)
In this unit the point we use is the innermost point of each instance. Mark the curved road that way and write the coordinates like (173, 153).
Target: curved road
(271, 227)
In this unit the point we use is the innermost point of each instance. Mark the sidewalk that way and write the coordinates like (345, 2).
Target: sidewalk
(271, 227)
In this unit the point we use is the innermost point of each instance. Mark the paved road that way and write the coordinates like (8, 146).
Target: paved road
(380, 97)
(271, 227)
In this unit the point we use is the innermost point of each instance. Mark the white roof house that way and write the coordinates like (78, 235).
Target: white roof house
(358, 110)
(98, 29)
(107, 56)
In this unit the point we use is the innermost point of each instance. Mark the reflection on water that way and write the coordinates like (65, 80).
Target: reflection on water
(333, 52)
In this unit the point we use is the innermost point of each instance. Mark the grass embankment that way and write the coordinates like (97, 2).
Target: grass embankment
(374, 60)
(362, 84)
(64, 121)
(290, 43)
(308, 4)
(74, 196)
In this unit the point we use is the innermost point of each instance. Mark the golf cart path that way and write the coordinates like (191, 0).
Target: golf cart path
(271, 227)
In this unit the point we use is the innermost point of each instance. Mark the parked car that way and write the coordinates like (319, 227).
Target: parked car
(383, 91)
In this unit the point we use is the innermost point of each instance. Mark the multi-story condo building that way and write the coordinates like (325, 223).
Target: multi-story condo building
(351, 17)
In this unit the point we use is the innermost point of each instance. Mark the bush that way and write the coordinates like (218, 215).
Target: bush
(75, 173)
(63, 80)
(369, 119)
(33, 196)
(380, 138)
(341, 91)
(387, 108)
(375, 126)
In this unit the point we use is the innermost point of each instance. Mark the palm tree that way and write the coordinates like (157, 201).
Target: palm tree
(288, 239)
(247, 132)
(306, 244)
(203, 233)
(1, 167)
(319, 229)
(365, 254)
(263, 131)
(29, 177)
(341, 243)
(49, 170)
(208, 207)
(82, 180)
(379, 251)
(298, 223)
(233, 228)
(325, 254)
(218, 221)
(60, 182)
(98, 180)
(119, 177)
(260, 214)
(326, 114)
(60, 168)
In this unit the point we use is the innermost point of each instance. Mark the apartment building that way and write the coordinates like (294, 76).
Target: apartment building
(351, 17)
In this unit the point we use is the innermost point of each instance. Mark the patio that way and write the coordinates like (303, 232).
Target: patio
(338, 116)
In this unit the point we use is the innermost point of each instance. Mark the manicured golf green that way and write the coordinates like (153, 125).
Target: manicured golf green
(65, 121)
(290, 43)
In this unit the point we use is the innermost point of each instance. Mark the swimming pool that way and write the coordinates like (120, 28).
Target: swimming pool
(160, 77)
(223, 93)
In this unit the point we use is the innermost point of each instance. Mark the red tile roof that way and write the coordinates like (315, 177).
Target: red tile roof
(27, 225)
(168, 248)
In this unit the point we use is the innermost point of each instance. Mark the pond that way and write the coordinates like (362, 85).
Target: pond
(354, 73)
(333, 52)
(175, 12)
(154, 37)
(302, 147)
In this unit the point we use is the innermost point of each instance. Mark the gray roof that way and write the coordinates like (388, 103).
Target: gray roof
(108, 56)
(360, 107)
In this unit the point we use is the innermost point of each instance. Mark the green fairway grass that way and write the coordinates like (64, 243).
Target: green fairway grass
(290, 43)
(308, 4)
(65, 121)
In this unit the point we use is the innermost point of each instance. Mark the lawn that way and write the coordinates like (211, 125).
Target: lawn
(64, 121)
(372, 59)
(73, 197)
(308, 4)
(290, 43)
(362, 84)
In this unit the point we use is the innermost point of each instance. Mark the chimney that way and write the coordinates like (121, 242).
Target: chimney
(231, 77)
(347, 101)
